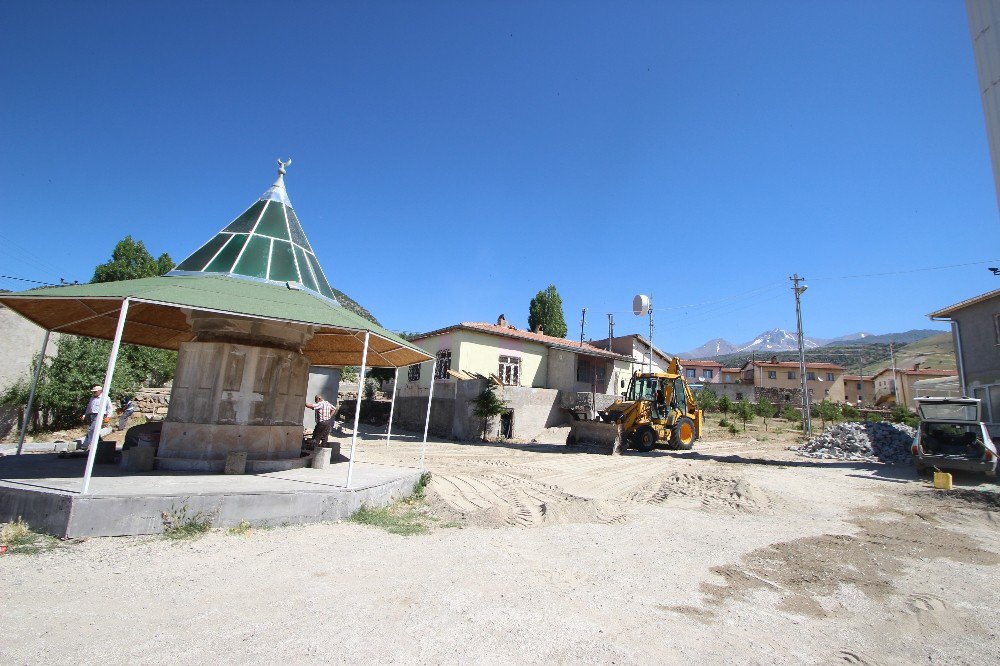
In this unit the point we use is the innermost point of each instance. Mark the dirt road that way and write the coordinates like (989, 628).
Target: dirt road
(736, 552)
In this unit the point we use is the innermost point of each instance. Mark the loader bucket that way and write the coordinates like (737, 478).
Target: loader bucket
(598, 433)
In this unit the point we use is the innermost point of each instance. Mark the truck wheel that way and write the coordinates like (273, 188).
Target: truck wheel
(683, 434)
(644, 439)
(571, 440)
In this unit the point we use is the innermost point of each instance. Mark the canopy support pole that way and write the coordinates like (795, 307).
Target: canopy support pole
(357, 410)
(392, 406)
(105, 398)
(31, 396)
(427, 421)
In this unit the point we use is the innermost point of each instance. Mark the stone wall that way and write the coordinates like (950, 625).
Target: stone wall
(153, 403)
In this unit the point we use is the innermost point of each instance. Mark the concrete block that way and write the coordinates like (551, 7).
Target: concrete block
(138, 459)
(236, 462)
(321, 459)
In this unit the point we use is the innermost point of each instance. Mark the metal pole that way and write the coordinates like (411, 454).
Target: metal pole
(31, 396)
(650, 334)
(583, 323)
(357, 411)
(392, 406)
(895, 384)
(427, 420)
(806, 415)
(611, 329)
(105, 398)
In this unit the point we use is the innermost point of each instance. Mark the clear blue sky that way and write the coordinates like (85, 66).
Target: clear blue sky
(453, 158)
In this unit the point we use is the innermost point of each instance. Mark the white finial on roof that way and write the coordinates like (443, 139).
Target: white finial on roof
(277, 191)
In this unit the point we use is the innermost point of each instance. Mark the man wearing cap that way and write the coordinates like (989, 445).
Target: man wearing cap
(93, 414)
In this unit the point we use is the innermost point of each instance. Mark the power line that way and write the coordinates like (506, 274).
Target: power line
(11, 277)
(906, 272)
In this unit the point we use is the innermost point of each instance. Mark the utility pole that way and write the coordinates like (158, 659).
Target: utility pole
(651, 334)
(806, 416)
(583, 323)
(895, 384)
(611, 329)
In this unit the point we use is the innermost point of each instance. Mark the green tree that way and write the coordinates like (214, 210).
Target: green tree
(725, 404)
(546, 311)
(64, 383)
(902, 414)
(706, 399)
(791, 414)
(131, 260)
(764, 409)
(744, 412)
(487, 406)
(850, 412)
(827, 411)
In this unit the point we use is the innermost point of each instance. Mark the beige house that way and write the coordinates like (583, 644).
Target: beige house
(702, 372)
(890, 384)
(518, 358)
(780, 379)
(859, 390)
(639, 348)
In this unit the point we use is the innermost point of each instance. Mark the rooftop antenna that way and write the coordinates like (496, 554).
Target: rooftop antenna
(641, 306)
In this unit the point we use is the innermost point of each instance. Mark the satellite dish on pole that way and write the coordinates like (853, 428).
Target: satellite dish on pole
(640, 305)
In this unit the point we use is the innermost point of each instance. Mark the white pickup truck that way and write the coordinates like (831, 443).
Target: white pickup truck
(952, 435)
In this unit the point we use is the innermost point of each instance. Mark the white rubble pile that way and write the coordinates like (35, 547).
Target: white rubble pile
(867, 441)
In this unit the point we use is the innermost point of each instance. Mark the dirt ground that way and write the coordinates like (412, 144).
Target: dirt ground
(736, 552)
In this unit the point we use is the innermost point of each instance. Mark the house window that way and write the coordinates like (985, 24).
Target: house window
(729, 378)
(739, 396)
(443, 364)
(510, 370)
(829, 376)
(413, 374)
(996, 327)
(810, 393)
(811, 376)
(772, 374)
(689, 373)
(859, 386)
(788, 397)
(589, 369)
(826, 391)
(791, 375)
(709, 374)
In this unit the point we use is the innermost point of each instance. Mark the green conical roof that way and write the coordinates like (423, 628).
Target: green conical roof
(265, 242)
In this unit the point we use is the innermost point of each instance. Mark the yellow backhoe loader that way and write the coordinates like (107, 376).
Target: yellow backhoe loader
(657, 408)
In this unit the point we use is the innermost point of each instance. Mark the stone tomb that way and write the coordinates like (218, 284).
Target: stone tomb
(240, 386)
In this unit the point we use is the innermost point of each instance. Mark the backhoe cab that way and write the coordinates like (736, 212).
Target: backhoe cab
(657, 407)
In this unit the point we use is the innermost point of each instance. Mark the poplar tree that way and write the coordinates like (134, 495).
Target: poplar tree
(546, 311)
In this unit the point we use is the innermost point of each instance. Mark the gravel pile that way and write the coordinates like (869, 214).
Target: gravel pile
(867, 441)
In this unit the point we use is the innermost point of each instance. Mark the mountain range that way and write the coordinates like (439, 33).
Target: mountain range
(779, 340)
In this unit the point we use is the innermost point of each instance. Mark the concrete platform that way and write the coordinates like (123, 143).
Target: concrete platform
(43, 489)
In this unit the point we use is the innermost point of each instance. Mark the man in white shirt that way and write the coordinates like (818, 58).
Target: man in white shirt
(93, 415)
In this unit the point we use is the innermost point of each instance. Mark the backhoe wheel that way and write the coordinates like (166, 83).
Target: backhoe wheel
(571, 440)
(644, 439)
(683, 434)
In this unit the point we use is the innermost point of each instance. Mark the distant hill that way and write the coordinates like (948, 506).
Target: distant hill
(935, 352)
(850, 357)
(899, 338)
(779, 340)
(352, 305)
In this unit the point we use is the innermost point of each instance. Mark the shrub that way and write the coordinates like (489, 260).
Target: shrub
(791, 414)
(706, 399)
(725, 404)
(487, 406)
(850, 412)
(371, 388)
(744, 412)
(764, 409)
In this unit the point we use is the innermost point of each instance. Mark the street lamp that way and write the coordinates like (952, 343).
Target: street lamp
(800, 289)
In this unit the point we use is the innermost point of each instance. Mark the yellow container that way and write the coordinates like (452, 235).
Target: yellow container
(942, 481)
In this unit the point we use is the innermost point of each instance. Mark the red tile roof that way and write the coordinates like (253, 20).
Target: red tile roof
(795, 364)
(701, 364)
(512, 332)
(931, 373)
